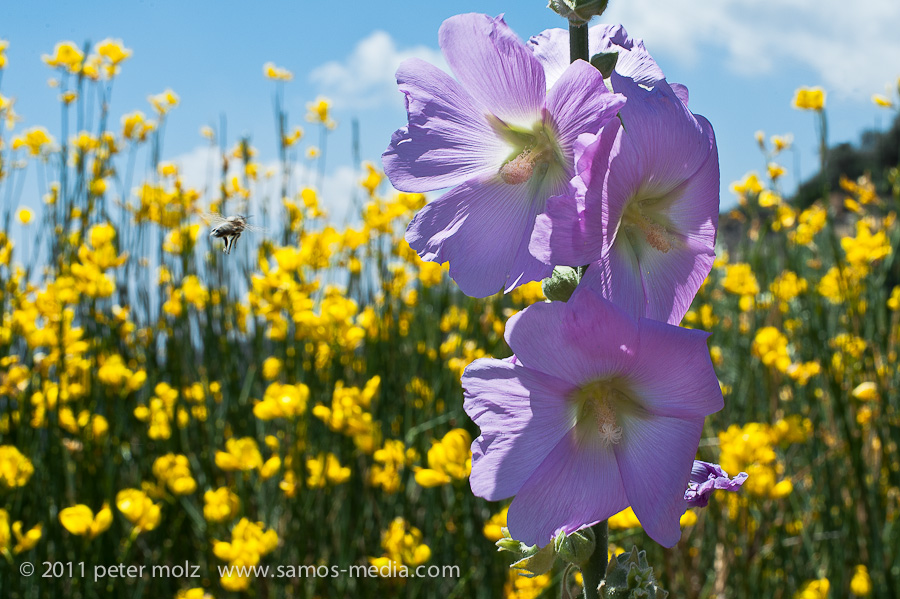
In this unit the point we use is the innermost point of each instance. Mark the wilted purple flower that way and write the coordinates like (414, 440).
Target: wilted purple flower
(643, 207)
(597, 412)
(706, 478)
(499, 137)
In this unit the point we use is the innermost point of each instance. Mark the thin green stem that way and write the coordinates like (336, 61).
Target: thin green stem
(578, 43)
(594, 570)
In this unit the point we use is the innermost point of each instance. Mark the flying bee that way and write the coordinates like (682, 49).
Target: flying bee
(228, 228)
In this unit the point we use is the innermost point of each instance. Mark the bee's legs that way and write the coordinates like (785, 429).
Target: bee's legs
(235, 238)
(227, 247)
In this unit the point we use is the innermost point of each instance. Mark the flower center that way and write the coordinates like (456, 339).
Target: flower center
(641, 219)
(519, 169)
(534, 152)
(598, 403)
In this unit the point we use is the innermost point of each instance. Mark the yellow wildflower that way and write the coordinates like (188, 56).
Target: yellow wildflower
(782, 142)
(24, 215)
(861, 584)
(770, 346)
(787, 286)
(282, 401)
(809, 98)
(325, 469)
(15, 468)
(775, 171)
(802, 372)
(80, 520)
(492, 528)
(277, 73)
(138, 509)
(164, 102)
(319, 111)
(65, 55)
(867, 391)
(24, 541)
(175, 472)
(893, 302)
(249, 543)
(750, 185)
(403, 546)
(809, 222)
(866, 248)
(36, 139)
(448, 459)
(882, 100)
(768, 199)
(271, 368)
(220, 505)
(113, 51)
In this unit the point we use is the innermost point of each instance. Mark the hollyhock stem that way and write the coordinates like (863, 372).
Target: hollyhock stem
(594, 570)
(578, 48)
(578, 43)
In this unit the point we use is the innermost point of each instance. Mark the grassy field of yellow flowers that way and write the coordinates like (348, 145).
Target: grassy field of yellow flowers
(296, 405)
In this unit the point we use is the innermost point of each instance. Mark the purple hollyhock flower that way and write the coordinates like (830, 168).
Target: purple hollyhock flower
(643, 207)
(706, 478)
(597, 412)
(500, 139)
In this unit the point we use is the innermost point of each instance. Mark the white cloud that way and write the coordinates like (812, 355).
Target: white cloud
(854, 47)
(366, 78)
(201, 169)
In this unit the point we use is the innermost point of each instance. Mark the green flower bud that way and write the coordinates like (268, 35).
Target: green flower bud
(561, 284)
(579, 12)
(629, 576)
(576, 548)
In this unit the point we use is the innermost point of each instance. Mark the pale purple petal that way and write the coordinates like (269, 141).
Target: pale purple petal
(448, 139)
(551, 47)
(681, 91)
(655, 458)
(482, 228)
(577, 484)
(663, 137)
(706, 478)
(672, 279)
(565, 234)
(584, 339)
(675, 383)
(495, 66)
(634, 62)
(522, 415)
(617, 276)
(580, 103)
(694, 208)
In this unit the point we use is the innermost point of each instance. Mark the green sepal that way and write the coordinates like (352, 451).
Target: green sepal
(559, 286)
(629, 576)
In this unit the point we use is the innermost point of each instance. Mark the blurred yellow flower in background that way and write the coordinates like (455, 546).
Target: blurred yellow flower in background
(809, 98)
(80, 520)
(24, 215)
(15, 468)
(65, 55)
(277, 73)
(138, 509)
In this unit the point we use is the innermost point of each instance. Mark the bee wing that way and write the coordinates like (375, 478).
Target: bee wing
(213, 218)
(254, 229)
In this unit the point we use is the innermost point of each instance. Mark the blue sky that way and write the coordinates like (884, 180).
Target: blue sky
(741, 60)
